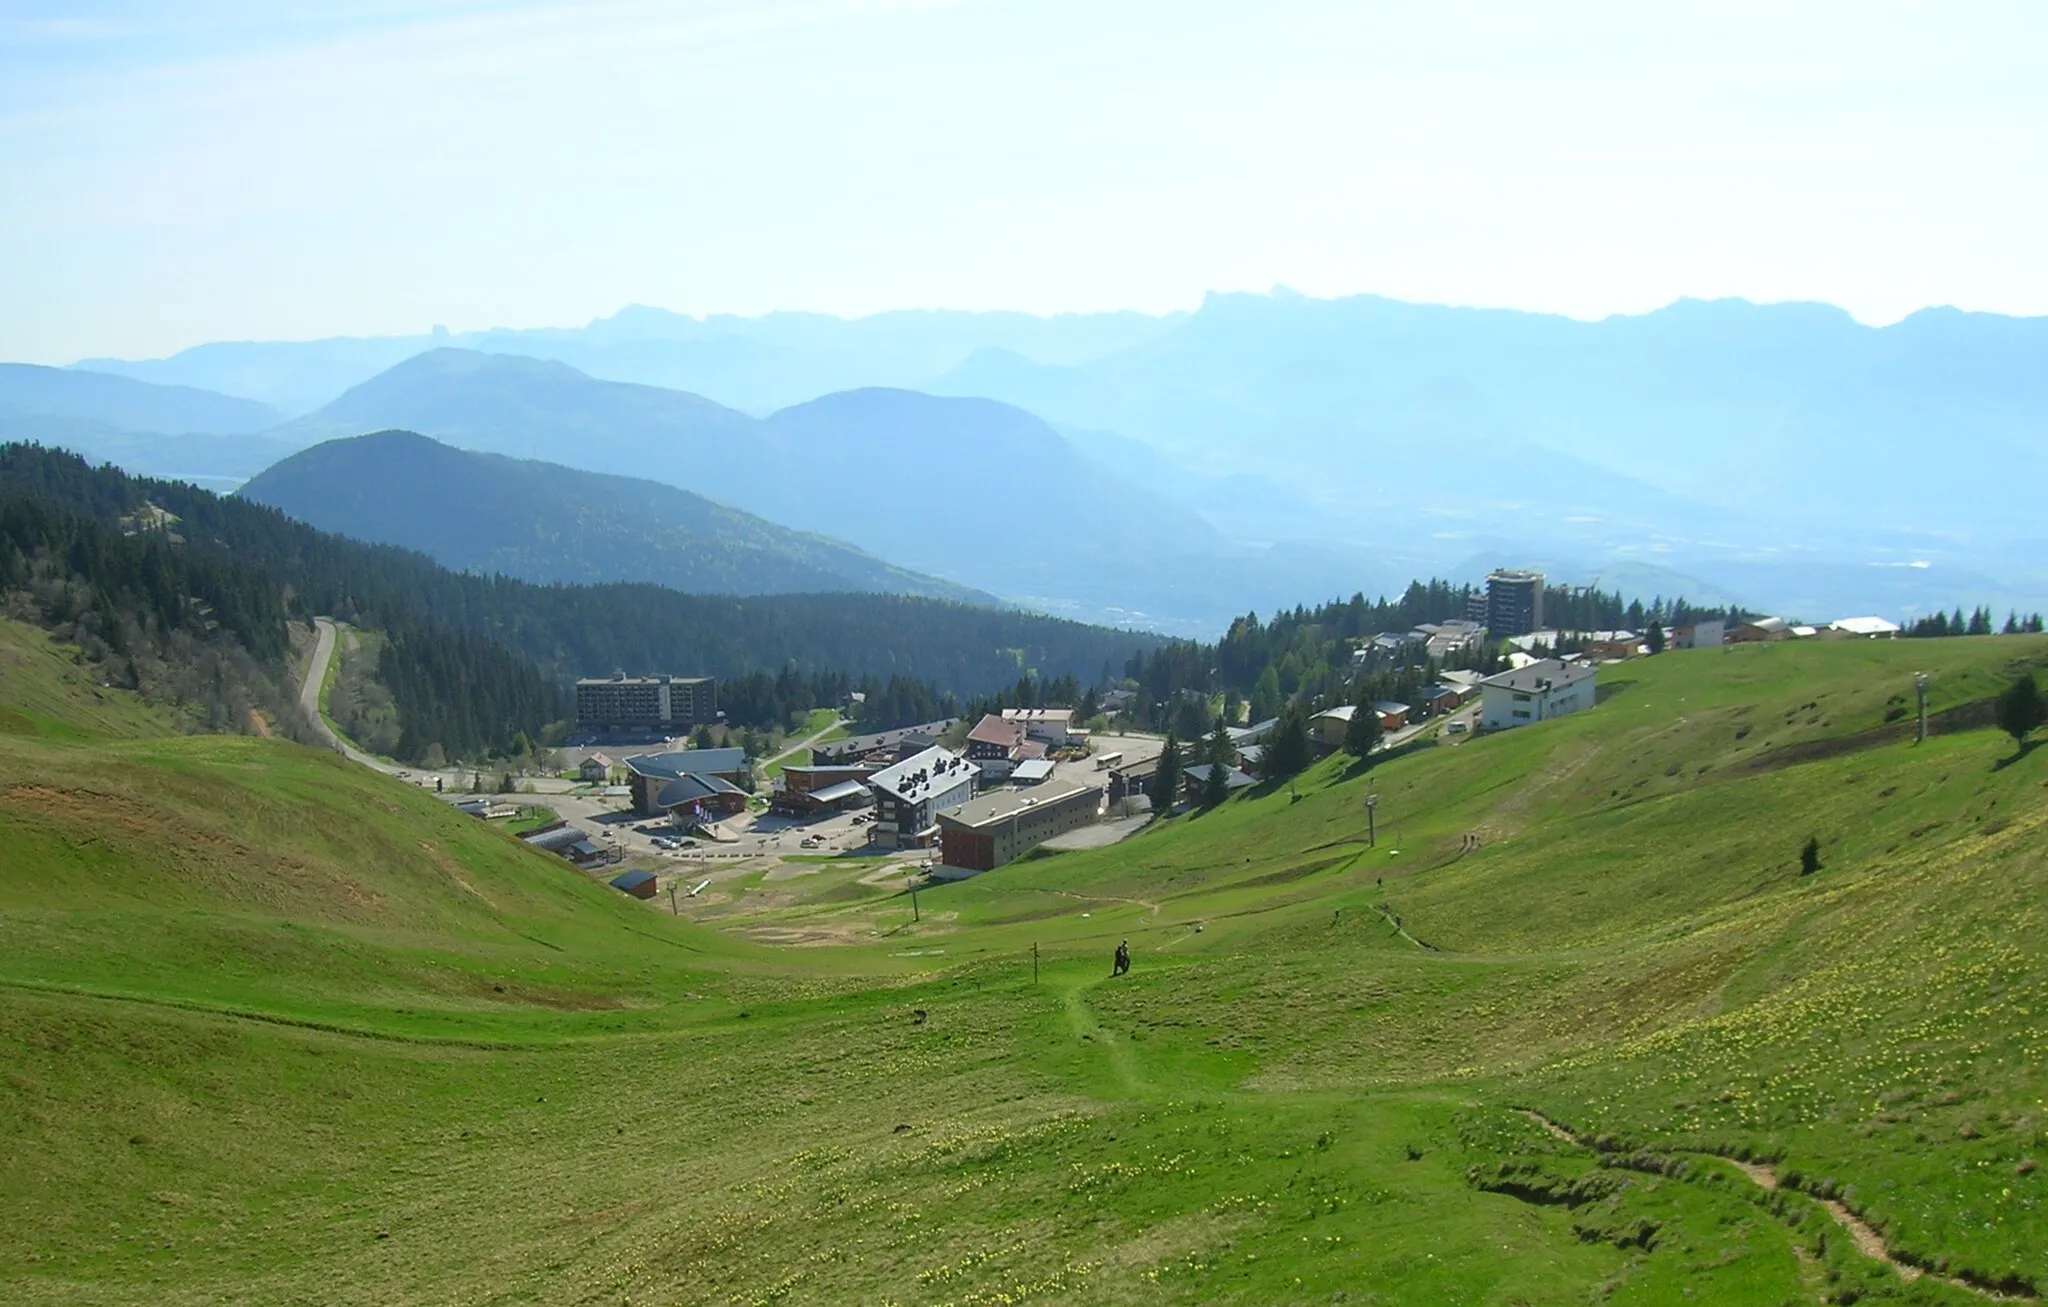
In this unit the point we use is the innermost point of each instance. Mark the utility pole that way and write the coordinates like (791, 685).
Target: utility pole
(1372, 832)
(910, 876)
(672, 899)
(1034, 962)
(1920, 687)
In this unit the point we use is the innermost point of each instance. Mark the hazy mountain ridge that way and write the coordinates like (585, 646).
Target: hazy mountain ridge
(543, 522)
(758, 364)
(116, 401)
(979, 492)
(1744, 444)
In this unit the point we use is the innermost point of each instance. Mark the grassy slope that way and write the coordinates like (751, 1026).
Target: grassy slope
(1284, 1101)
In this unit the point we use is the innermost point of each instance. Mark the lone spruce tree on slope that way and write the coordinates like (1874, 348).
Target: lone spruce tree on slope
(1363, 734)
(2020, 709)
(1166, 780)
(1222, 760)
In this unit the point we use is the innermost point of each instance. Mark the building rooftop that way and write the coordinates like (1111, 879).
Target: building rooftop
(843, 790)
(560, 837)
(1388, 708)
(1343, 712)
(692, 788)
(921, 775)
(620, 678)
(1038, 714)
(1255, 732)
(688, 762)
(889, 739)
(997, 730)
(631, 880)
(1001, 805)
(1235, 780)
(1544, 673)
(1032, 770)
(1864, 626)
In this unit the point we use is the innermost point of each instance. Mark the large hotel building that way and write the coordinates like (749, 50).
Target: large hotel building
(652, 703)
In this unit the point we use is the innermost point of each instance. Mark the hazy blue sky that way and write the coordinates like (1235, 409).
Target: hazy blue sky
(172, 173)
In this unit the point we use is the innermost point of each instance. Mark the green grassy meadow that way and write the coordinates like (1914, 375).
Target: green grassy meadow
(274, 1029)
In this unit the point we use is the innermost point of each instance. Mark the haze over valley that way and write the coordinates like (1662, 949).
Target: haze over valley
(968, 653)
(1289, 448)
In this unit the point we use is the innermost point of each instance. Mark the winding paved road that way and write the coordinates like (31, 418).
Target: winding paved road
(309, 696)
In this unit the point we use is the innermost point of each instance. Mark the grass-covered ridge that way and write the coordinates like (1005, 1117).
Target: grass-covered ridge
(277, 1029)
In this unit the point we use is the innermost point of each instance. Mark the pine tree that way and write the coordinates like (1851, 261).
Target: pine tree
(1216, 788)
(1809, 856)
(1265, 700)
(1166, 780)
(1221, 751)
(1364, 732)
(2021, 709)
(1655, 637)
(1288, 749)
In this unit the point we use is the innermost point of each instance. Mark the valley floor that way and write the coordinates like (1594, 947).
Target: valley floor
(277, 1029)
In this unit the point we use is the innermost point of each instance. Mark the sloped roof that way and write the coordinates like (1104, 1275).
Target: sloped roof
(561, 837)
(1003, 804)
(1255, 732)
(843, 790)
(1557, 674)
(688, 762)
(1063, 716)
(628, 880)
(992, 729)
(691, 788)
(859, 744)
(1235, 780)
(921, 775)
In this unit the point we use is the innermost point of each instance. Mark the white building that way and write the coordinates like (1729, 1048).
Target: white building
(1864, 628)
(910, 796)
(1544, 689)
(1055, 726)
(1699, 635)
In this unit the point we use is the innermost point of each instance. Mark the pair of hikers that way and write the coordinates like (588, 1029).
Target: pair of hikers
(1123, 959)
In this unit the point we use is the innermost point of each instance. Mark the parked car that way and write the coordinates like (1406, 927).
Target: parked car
(1456, 728)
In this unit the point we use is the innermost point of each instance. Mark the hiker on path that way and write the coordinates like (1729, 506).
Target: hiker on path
(1123, 958)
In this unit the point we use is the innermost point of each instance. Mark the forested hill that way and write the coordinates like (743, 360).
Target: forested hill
(545, 522)
(263, 567)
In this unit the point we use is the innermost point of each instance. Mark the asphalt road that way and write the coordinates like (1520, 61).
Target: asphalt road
(309, 696)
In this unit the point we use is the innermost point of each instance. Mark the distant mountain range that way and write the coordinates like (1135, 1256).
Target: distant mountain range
(982, 493)
(543, 522)
(158, 430)
(127, 404)
(164, 431)
(754, 364)
(1277, 448)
